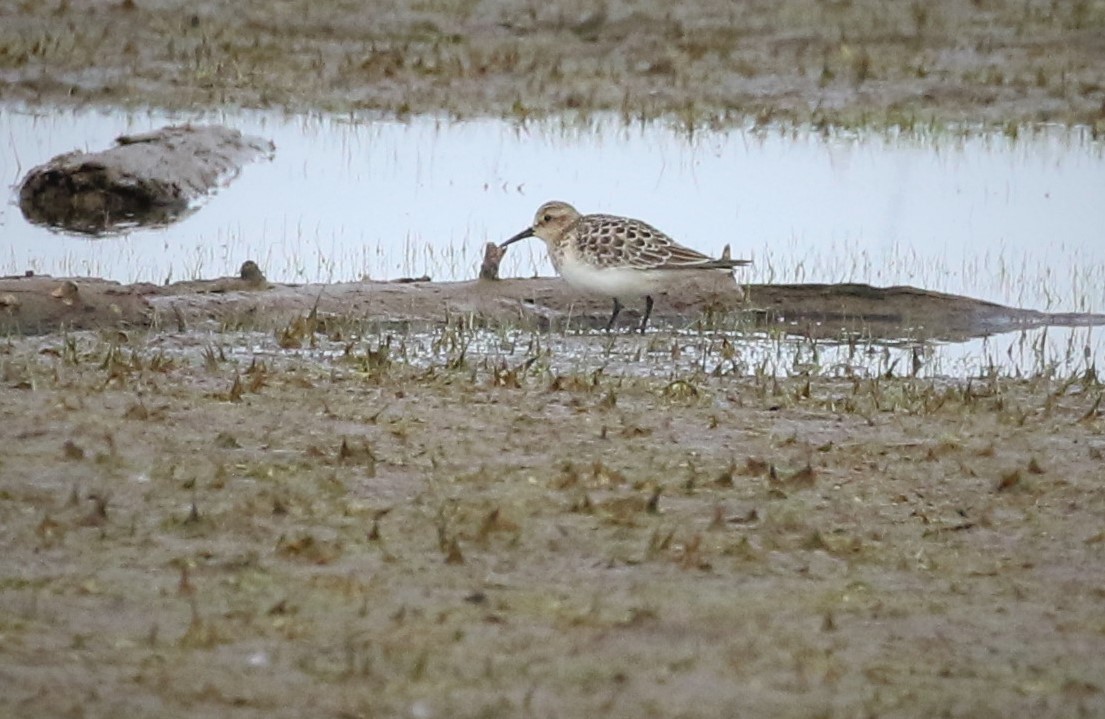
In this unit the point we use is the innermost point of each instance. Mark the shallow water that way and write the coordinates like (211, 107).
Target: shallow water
(1054, 352)
(1017, 221)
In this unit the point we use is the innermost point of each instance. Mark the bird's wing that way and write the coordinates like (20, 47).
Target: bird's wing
(684, 258)
(611, 241)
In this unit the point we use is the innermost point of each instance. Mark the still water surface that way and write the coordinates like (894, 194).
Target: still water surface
(1018, 221)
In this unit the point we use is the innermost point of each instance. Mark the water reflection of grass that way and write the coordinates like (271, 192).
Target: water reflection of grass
(1017, 280)
(312, 248)
(710, 347)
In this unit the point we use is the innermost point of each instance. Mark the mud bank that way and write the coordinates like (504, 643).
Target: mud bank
(42, 304)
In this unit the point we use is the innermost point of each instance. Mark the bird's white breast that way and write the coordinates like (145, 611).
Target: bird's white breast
(610, 281)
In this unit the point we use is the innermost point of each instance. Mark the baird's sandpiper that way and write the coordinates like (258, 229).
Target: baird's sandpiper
(616, 256)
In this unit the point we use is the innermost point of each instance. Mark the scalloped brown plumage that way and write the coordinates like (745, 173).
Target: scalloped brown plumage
(617, 256)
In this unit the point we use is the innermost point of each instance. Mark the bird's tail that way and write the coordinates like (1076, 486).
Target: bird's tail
(725, 262)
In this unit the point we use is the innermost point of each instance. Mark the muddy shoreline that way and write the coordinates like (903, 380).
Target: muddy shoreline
(43, 304)
(859, 63)
(193, 527)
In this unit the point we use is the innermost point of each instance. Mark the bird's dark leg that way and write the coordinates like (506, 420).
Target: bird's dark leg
(648, 312)
(614, 316)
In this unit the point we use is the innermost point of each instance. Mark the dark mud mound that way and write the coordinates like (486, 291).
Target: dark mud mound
(820, 311)
(828, 311)
(150, 179)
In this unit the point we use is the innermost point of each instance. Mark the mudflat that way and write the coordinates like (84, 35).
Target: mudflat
(843, 62)
(255, 509)
(201, 524)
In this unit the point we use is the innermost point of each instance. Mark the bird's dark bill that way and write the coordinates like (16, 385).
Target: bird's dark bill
(528, 232)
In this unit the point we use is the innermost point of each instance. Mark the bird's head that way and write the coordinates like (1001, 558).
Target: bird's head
(549, 224)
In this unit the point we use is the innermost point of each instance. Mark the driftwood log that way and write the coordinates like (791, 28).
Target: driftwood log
(149, 179)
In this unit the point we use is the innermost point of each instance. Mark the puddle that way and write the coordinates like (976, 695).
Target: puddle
(676, 355)
(1058, 353)
(1015, 221)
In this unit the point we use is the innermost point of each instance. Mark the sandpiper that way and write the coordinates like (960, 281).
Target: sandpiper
(616, 256)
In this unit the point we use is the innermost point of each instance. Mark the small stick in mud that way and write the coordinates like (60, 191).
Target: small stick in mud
(492, 256)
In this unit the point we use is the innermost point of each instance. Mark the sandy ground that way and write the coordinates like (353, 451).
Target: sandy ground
(209, 517)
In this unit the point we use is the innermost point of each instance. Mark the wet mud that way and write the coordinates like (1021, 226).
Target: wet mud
(201, 524)
(43, 304)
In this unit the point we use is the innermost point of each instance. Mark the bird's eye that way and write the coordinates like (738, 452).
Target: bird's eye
(546, 218)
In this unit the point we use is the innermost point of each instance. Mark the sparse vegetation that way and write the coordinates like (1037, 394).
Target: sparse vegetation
(372, 521)
(861, 62)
